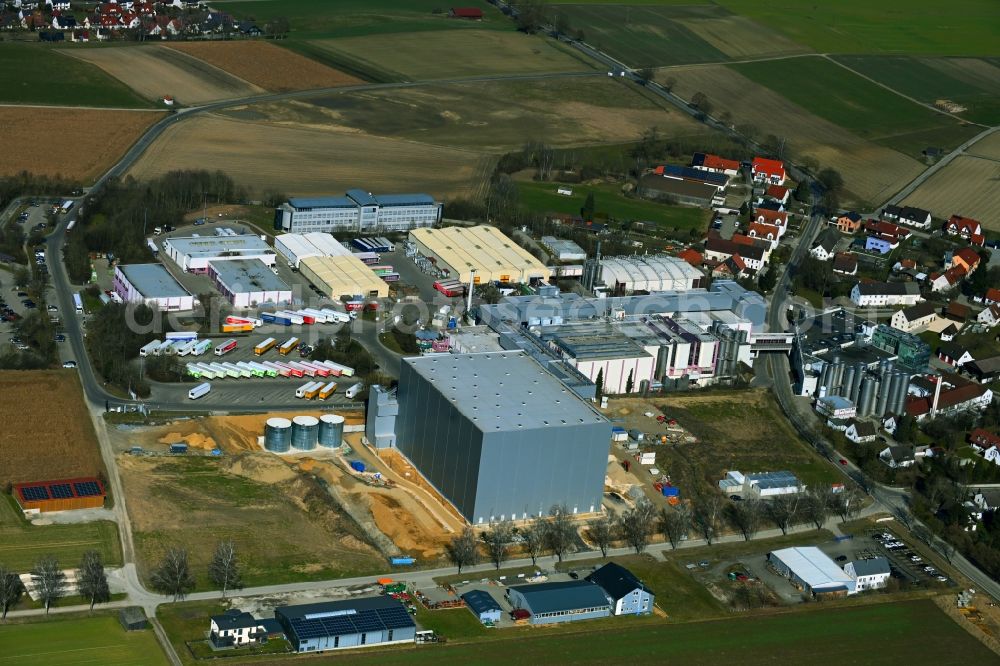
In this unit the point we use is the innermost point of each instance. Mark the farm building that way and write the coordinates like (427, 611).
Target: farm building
(484, 249)
(153, 285)
(471, 423)
(343, 276)
(336, 625)
(193, 254)
(694, 193)
(63, 495)
(248, 283)
(626, 275)
(359, 211)
(483, 605)
(869, 574)
(564, 250)
(715, 164)
(809, 568)
(567, 601)
(293, 248)
(760, 485)
(628, 594)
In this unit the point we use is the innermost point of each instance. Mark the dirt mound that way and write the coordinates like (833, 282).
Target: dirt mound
(261, 467)
(195, 440)
(401, 526)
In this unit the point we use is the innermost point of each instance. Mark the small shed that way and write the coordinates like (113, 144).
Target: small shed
(133, 618)
(483, 605)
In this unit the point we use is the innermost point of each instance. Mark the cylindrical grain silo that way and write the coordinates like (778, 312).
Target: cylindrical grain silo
(868, 388)
(859, 374)
(899, 397)
(845, 388)
(277, 435)
(824, 376)
(305, 432)
(331, 430)
(883, 394)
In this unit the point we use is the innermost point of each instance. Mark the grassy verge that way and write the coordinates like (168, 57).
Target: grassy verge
(94, 639)
(22, 543)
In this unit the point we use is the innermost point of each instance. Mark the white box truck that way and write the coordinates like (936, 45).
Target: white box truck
(199, 390)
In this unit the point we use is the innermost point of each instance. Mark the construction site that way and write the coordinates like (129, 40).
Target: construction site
(317, 514)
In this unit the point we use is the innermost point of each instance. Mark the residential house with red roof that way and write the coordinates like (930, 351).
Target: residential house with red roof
(845, 263)
(773, 217)
(715, 164)
(966, 227)
(948, 279)
(767, 232)
(951, 394)
(732, 268)
(777, 192)
(887, 231)
(754, 256)
(967, 258)
(992, 296)
(467, 13)
(768, 171)
(692, 256)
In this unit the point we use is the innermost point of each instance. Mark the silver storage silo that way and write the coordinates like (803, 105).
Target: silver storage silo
(868, 388)
(837, 375)
(845, 387)
(277, 435)
(859, 374)
(824, 376)
(899, 398)
(883, 394)
(331, 430)
(305, 432)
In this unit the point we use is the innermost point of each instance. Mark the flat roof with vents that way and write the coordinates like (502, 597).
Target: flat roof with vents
(503, 391)
(485, 249)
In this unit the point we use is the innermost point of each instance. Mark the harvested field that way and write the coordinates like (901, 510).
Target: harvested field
(988, 147)
(47, 431)
(871, 172)
(454, 53)
(266, 65)
(155, 71)
(33, 140)
(302, 161)
(739, 37)
(494, 117)
(968, 186)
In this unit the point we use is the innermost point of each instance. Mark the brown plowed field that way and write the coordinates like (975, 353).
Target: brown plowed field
(311, 161)
(871, 172)
(266, 65)
(155, 71)
(47, 433)
(988, 147)
(967, 186)
(76, 143)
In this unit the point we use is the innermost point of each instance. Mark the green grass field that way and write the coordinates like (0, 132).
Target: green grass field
(314, 19)
(36, 74)
(95, 640)
(880, 634)
(844, 98)
(644, 35)
(929, 79)
(609, 201)
(925, 27)
(22, 543)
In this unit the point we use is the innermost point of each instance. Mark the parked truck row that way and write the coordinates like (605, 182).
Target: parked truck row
(247, 369)
(306, 316)
(180, 344)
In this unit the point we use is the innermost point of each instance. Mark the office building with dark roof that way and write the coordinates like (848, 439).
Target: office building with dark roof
(359, 211)
(336, 625)
(628, 594)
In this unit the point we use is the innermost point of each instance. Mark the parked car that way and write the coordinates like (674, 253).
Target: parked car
(69, 364)
(200, 221)
(843, 462)
(52, 308)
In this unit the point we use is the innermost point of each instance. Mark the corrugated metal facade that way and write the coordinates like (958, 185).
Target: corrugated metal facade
(506, 473)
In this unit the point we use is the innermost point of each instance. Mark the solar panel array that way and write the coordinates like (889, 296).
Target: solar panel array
(34, 493)
(365, 621)
(87, 488)
(61, 491)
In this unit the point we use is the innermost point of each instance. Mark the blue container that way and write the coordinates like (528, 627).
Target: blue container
(402, 561)
(178, 448)
(671, 491)
(357, 466)
(267, 317)
(452, 323)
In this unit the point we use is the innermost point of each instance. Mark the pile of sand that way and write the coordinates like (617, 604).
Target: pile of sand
(194, 440)
(264, 468)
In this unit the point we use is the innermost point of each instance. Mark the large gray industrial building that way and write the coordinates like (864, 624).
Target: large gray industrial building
(496, 434)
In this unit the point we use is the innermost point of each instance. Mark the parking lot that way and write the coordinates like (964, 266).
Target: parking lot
(906, 563)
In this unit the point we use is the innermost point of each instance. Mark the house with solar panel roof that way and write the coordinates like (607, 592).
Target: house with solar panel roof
(336, 625)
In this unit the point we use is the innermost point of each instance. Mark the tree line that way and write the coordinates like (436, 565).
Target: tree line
(118, 220)
(49, 582)
(115, 333)
(707, 516)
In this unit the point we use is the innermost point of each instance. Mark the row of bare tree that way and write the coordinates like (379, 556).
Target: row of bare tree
(707, 515)
(173, 576)
(49, 582)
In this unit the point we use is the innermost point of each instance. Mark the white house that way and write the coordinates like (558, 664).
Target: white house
(917, 317)
(868, 574)
(992, 455)
(897, 456)
(885, 294)
(826, 247)
(860, 432)
(908, 215)
(990, 317)
(235, 628)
